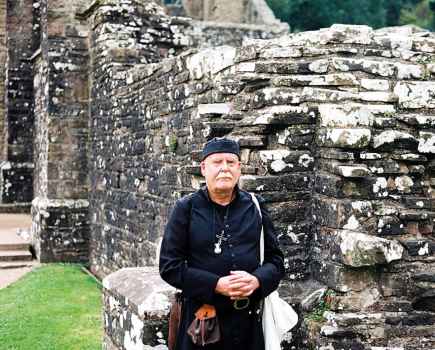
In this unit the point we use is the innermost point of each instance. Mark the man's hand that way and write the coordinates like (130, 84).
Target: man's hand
(237, 285)
(244, 285)
(224, 285)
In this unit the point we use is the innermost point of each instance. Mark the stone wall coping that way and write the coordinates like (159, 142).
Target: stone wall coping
(210, 61)
(204, 62)
(402, 37)
(142, 288)
(245, 26)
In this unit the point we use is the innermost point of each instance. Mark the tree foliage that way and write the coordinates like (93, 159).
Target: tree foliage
(421, 14)
(314, 14)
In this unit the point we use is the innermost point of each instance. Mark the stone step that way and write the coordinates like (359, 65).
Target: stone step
(15, 255)
(15, 208)
(14, 246)
(16, 264)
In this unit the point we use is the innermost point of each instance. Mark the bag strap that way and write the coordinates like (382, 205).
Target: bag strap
(255, 200)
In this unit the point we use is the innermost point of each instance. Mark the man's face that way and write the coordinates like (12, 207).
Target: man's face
(221, 171)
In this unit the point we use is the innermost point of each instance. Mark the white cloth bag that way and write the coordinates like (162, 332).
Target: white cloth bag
(278, 316)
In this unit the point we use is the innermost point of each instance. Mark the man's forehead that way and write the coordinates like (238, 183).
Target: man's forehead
(216, 156)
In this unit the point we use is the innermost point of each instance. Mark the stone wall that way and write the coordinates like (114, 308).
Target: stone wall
(123, 34)
(3, 57)
(128, 202)
(255, 12)
(60, 227)
(200, 34)
(335, 128)
(19, 81)
(373, 199)
(17, 120)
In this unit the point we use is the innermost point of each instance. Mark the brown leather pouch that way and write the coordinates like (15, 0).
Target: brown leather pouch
(174, 321)
(204, 329)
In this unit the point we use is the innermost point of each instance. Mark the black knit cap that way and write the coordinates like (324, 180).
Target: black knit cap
(220, 145)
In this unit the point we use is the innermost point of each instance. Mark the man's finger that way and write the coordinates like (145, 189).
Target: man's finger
(239, 285)
(231, 278)
(245, 279)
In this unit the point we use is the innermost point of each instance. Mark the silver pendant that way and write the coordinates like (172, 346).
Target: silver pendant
(217, 248)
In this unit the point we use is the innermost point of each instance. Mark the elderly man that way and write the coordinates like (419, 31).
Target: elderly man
(210, 250)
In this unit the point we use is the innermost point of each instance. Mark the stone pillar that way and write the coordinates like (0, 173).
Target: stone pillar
(16, 168)
(130, 34)
(60, 223)
(136, 308)
(3, 55)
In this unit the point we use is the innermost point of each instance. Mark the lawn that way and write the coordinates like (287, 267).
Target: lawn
(54, 307)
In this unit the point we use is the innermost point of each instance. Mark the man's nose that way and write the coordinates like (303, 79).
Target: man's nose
(224, 166)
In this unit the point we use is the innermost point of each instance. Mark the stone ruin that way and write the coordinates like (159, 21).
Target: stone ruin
(337, 130)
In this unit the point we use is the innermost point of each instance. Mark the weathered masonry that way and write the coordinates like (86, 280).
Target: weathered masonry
(44, 101)
(16, 99)
(336, 127)
(336, 130)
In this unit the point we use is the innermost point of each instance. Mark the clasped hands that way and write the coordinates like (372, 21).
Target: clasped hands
(237, 284)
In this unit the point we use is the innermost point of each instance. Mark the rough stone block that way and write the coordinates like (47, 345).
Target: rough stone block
(345, 116)
(423, 44)
(394, 138)
(282, 161)
(136, 307)
(281, 52)
(300, 136)
(344, 138)
(358, 249)
(210, 61)
(285, 115)
(340, 79)
(426, 142)
(276, 96)
(419, 247)
(376, 67)
(289, 212)
(351, 171)
(414, 95)
(214, 108)
(343, 213)
(343, 279)
(375, 84)
(261, 183)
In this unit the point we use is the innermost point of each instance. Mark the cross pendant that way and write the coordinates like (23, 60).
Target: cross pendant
(217, 248)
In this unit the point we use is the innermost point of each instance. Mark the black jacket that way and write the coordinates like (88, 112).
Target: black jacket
(188, 262)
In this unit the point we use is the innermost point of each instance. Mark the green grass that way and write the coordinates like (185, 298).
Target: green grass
(54, 307)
